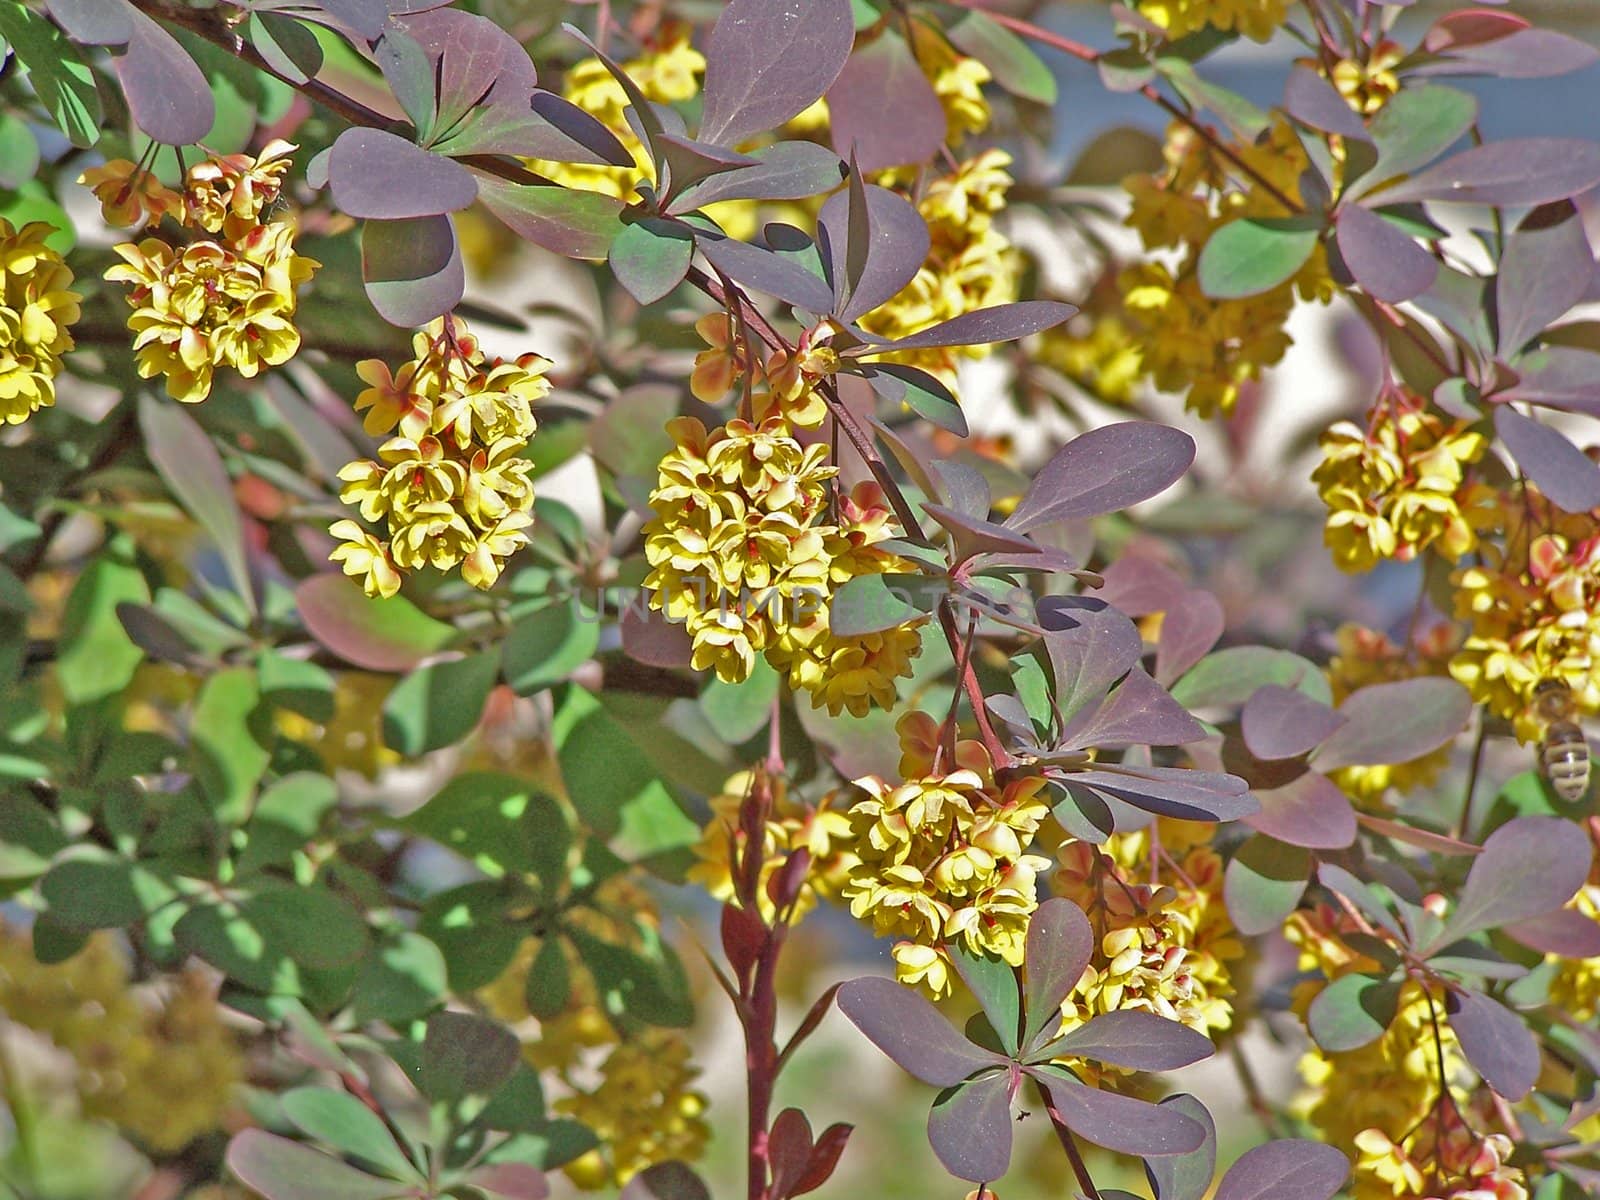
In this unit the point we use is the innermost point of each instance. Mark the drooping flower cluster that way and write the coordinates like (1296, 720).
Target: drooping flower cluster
(942, 856)
(785, 385)
(1532, 608)
(227, 296)
(1166, 947)
(160, 1064)
(1366, 656)
(36, 308)
(1192, 343)
(791, 825)
(1398, 487)
(1257, 19)
(1445, 1159)
(452, 486)
(743, 550)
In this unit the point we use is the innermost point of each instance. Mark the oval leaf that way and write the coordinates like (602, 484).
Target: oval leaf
(381, 635)
(912, 1032)
(1563, 472)
(969, 1128)
(412, 269)
(767, 60)
(374, 173)
(1280, 722)
(1387, 263)
(1117, 1122)
(1395, 723)
(1495, 1041)
(283, 1170)
(1255, 254)
(1286, 1170)
(1263, 883)
(1104, 470)
(1529, 866)
(1352, 1012)
(1133, 1038)
(1060, 941)
(1534, 170)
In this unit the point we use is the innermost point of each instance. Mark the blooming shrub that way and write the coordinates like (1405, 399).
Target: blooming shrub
(629, 513)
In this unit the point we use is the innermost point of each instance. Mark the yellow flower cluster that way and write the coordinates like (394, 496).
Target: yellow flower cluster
(1445, 1159)
(668, 72)
(1192, 343)
(643, 1110)
(791, 825)
(957, 80)
(742, 549)
(942, 856)
(37, 305)
(1257, 19)
(1166, 947)
(452, 487)
(1098, 352)
(971, 264)
(1366, 656)
(161, 1067)
(1398, 487)
(1367, 84)
(225, 299)
(1388, 1089)
(785, 385)
(1532, 607)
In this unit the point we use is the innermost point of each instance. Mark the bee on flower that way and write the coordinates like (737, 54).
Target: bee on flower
(37, 308)
(450, 488)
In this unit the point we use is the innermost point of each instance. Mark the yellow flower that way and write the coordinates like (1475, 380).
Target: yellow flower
(1367, 85)
(1256, 19)
(957, 80)
(36, 308)
(453, 487)
(129, 193)
(231, 194)
(1396, 488)
(1106, 360)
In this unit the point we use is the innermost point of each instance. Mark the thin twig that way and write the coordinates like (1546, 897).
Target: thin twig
(1068, 1143)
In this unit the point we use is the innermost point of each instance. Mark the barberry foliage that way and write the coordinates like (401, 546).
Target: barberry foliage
(491, 509)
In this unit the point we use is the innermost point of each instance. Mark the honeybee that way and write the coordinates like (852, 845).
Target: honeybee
(1563, 751)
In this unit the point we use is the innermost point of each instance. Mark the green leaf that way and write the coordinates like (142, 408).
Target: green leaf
(96, 657)
(499, 822)
(873, 603)
(547, 644)
(1264, 882)
(994, 983)
(401, 980)
(287, 815)
(517, 1107)
(438, 705)
(926, 397)
(1010, 60)
(1416, 126)
(549, 982)
(60, 78)
(471, 927)
(339, 1120)
(91, 888)
(287, 914)
(15, 529)
(19, 151)
(230, 759)
(647, 984)
(566, 221)
(381, 635)
(651, 256)
(1241, 116)
(738, 711)
(1353, 1011)
(1227, 678)
(29, 839)
(466, 1055)
(31, 202)
(296, 684)
(1255, 254)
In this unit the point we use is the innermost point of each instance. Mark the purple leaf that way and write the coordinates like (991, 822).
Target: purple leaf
(1280, 722)
(1495, 1041)
(824, 1158)
(410, 76)
(649, 638)
(94, 22)
(412, 268)
(689, 162)
(1140, 713)
(1563, 377)
(762, 270)
(651, 256)
(1307, 811)
(1513, 172)
(380, 635)
(1091, 646)
(1059, 944)
(882, 108)
(565, 221)
(1185, 1176)
(378, 174)
(1312, 100)
(1189, 628)
(1522, 54)
(897, 243)
(1566, 932)
(1136, 1039)
(912, 1032)
(671, 1180)
(1388, 264)
(1286, 1170)
(1119, 1123)
(168, 96)
(783, 171)
(643, 118)
(975, 536)
(1103, 471)
(1562, 472)
(1263, 884)
(788, 1149)
(1547, 267)
(1395, 723)
(969, 1128)
(474, 62)
(283, 1170)
(193, 471)
(1529, 866)
(984, 326)
(1179, 792)
(767, 60)
(1140, 586)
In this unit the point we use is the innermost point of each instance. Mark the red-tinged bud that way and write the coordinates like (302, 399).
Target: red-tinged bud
(753, 815)
(742, 937)
(783, 888)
